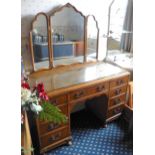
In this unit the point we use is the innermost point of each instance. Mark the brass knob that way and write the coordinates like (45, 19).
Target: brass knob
(117, 91)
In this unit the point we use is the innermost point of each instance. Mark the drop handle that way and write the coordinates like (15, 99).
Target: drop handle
(54, 101)
(116, 110)
(100, 88)
(54, 137)
(117, 91)
(117, 101)
(52, 126)
(120, 82)
(77, 95)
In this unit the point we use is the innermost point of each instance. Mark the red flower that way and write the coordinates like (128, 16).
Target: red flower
(25, 85)
(40, 87)
(41, 92)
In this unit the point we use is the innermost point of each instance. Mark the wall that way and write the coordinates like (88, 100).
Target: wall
(29, 8)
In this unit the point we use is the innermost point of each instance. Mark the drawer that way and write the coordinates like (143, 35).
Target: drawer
(119, 81)
(117, 100)
(58, 100)
(45, 127)
(98, 88)
(115, 111)
(54, 137)
(118, 91)
(102, 87)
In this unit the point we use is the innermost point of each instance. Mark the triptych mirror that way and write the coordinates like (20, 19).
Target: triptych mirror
(63, 38)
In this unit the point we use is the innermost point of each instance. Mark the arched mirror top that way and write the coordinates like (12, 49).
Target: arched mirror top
(39, 42)
(92, 38)
(40, 20)
(68, 5)
(67, 35)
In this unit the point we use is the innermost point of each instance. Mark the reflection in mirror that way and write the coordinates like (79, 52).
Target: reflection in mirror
(40, 42)
(92, 38)
(117, 10)
(67, 25)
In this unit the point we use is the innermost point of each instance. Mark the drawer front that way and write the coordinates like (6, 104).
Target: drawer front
(97, 88)
(119, 81)
(115, 111)
(45, 127)
(58, 100)
(89, 91)
(117, 100)
(54, 137)
(118, 91)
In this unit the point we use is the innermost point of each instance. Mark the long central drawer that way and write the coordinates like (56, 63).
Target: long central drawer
(99, 88)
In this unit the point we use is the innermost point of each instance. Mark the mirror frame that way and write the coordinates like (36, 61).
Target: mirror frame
(31, 42)
(97, 34)
(68, 5)
(50, 41)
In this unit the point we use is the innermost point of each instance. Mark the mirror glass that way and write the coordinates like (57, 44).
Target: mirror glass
(92, 42)
(40, 42)
(67, 27)
(117, 11)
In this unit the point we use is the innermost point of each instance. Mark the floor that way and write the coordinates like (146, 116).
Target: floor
(90, 138)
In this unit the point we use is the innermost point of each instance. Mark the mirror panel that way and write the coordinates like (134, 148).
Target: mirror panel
(67, 25)
(117, 12)
(92, 38)
(40, 42)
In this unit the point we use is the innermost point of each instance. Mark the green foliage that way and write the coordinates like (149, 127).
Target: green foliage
(51, 113)
(26, 151)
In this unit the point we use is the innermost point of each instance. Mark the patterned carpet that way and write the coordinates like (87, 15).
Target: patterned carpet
(89, 138)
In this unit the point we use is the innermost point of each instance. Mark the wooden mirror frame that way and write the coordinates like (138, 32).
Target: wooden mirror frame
(49, 33)
(31, 41)
(68, 5)
(98, 30)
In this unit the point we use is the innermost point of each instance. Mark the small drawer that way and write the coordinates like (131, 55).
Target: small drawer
(54, 137)
(58, 100)
(115, 111)
(119, 81)
(117, 100)
(45, 127)
(118, 91)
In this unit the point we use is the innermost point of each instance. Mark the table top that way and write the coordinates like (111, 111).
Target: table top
(54, 80)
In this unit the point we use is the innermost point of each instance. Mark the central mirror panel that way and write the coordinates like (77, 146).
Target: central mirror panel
(92, 38)
(67, 37)
(40, 42)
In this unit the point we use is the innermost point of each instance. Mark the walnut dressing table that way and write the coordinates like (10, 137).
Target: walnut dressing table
(69, 86)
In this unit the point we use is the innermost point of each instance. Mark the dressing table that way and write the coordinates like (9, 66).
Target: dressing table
(81, 80)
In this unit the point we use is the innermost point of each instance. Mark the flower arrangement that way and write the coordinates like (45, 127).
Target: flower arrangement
(37, 101)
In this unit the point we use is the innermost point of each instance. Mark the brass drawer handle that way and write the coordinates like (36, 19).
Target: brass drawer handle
(78, 95)
(100, 88)
(54, 101)
(54, 137)
(117, 101)
(116, 111)
(117, 91)
(119, 82)
(52, 126)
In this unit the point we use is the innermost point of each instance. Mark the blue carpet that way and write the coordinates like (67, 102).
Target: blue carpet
(90, 138)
